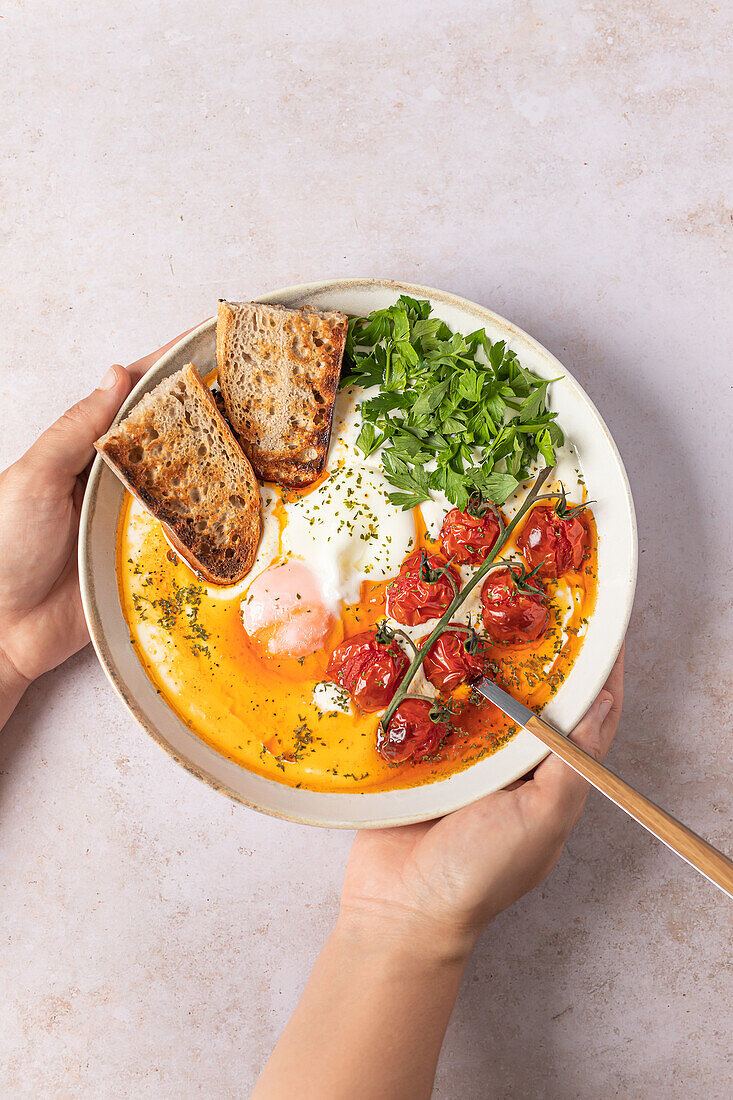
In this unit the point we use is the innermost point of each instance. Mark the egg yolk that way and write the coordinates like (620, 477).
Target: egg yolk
(284, 613)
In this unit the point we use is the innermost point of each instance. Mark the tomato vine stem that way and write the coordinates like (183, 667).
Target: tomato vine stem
(442, 623)
(407, 638)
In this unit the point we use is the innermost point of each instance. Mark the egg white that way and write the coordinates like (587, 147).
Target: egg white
(347, 532)
(330, 698)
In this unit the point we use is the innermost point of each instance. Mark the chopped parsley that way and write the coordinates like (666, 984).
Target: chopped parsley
(180, 611)
(455, 414)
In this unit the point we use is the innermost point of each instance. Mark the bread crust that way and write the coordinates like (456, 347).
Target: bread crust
(279, 385)
(179, 458)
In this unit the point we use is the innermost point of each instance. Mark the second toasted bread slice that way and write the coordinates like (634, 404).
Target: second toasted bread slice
(175, 452)
(279, 372)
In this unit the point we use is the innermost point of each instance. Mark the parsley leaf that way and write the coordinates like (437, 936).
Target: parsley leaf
(455, 414)
(497, 487)
(369, 438)
(415, 481)
(545, 447)
(430, 399)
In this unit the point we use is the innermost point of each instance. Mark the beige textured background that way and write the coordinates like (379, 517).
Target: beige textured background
(565, 164)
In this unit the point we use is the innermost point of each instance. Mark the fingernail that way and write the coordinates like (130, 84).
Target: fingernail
(109, 379)
(605, 706)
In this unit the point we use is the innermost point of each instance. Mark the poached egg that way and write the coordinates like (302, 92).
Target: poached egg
(332, 537)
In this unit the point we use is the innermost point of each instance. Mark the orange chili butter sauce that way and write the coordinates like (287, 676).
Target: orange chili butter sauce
(260, 712)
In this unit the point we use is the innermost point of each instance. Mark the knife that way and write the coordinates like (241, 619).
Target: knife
(693, 849)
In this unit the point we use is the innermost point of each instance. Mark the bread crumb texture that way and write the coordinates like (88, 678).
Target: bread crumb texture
(178, 456)
(279, 371)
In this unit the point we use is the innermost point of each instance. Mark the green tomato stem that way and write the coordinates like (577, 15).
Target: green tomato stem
(460, 597)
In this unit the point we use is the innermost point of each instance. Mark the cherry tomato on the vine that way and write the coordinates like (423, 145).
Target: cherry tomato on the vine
(454, 658)
(513, 612)
(413, 599)
(554, 542)
(467, 538)
(369, 669)
(412, 733)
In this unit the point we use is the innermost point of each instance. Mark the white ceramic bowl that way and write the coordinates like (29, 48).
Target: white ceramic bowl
(614, 513)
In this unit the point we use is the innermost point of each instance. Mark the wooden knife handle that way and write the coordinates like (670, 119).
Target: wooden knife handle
(708, 860)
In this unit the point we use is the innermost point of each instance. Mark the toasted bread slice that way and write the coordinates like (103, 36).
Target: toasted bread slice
(175, 452)
(279, 372)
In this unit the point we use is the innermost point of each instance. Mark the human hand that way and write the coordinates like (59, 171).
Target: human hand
(436, 884)
(41, 617)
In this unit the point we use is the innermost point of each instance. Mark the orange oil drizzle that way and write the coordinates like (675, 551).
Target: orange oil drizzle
(260, 712)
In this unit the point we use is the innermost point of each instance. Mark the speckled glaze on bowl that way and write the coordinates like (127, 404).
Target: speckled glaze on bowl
(614, 513)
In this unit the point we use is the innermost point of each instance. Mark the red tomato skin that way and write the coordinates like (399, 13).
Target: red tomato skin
(448, 664)
(555, 544)
(370, 670)
(512, 616)
(411, 734)
(411, 600)
(466, 539)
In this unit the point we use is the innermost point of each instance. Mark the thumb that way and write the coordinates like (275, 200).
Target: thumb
(66, 448)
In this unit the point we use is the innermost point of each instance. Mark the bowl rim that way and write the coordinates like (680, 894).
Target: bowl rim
(93, 616)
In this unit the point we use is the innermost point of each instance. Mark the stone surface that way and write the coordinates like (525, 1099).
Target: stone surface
(565, 164)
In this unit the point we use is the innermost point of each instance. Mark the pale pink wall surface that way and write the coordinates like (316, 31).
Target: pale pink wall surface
(566, 165)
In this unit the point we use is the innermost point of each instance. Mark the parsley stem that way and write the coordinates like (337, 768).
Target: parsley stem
(459, 598)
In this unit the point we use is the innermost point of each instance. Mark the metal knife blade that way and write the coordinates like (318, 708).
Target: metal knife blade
(503, 700)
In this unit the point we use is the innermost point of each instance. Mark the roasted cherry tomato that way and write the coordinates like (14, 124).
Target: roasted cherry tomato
(454, 658)
(369, 669)
(513, 612)
(554, 542)
(412, 733)
(413, 599)
(467, 538)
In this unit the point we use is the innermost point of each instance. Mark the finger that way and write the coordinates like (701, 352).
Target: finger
(615, 687)
(64, 449)
(560, 791)
(596, 729)
(141, 366)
